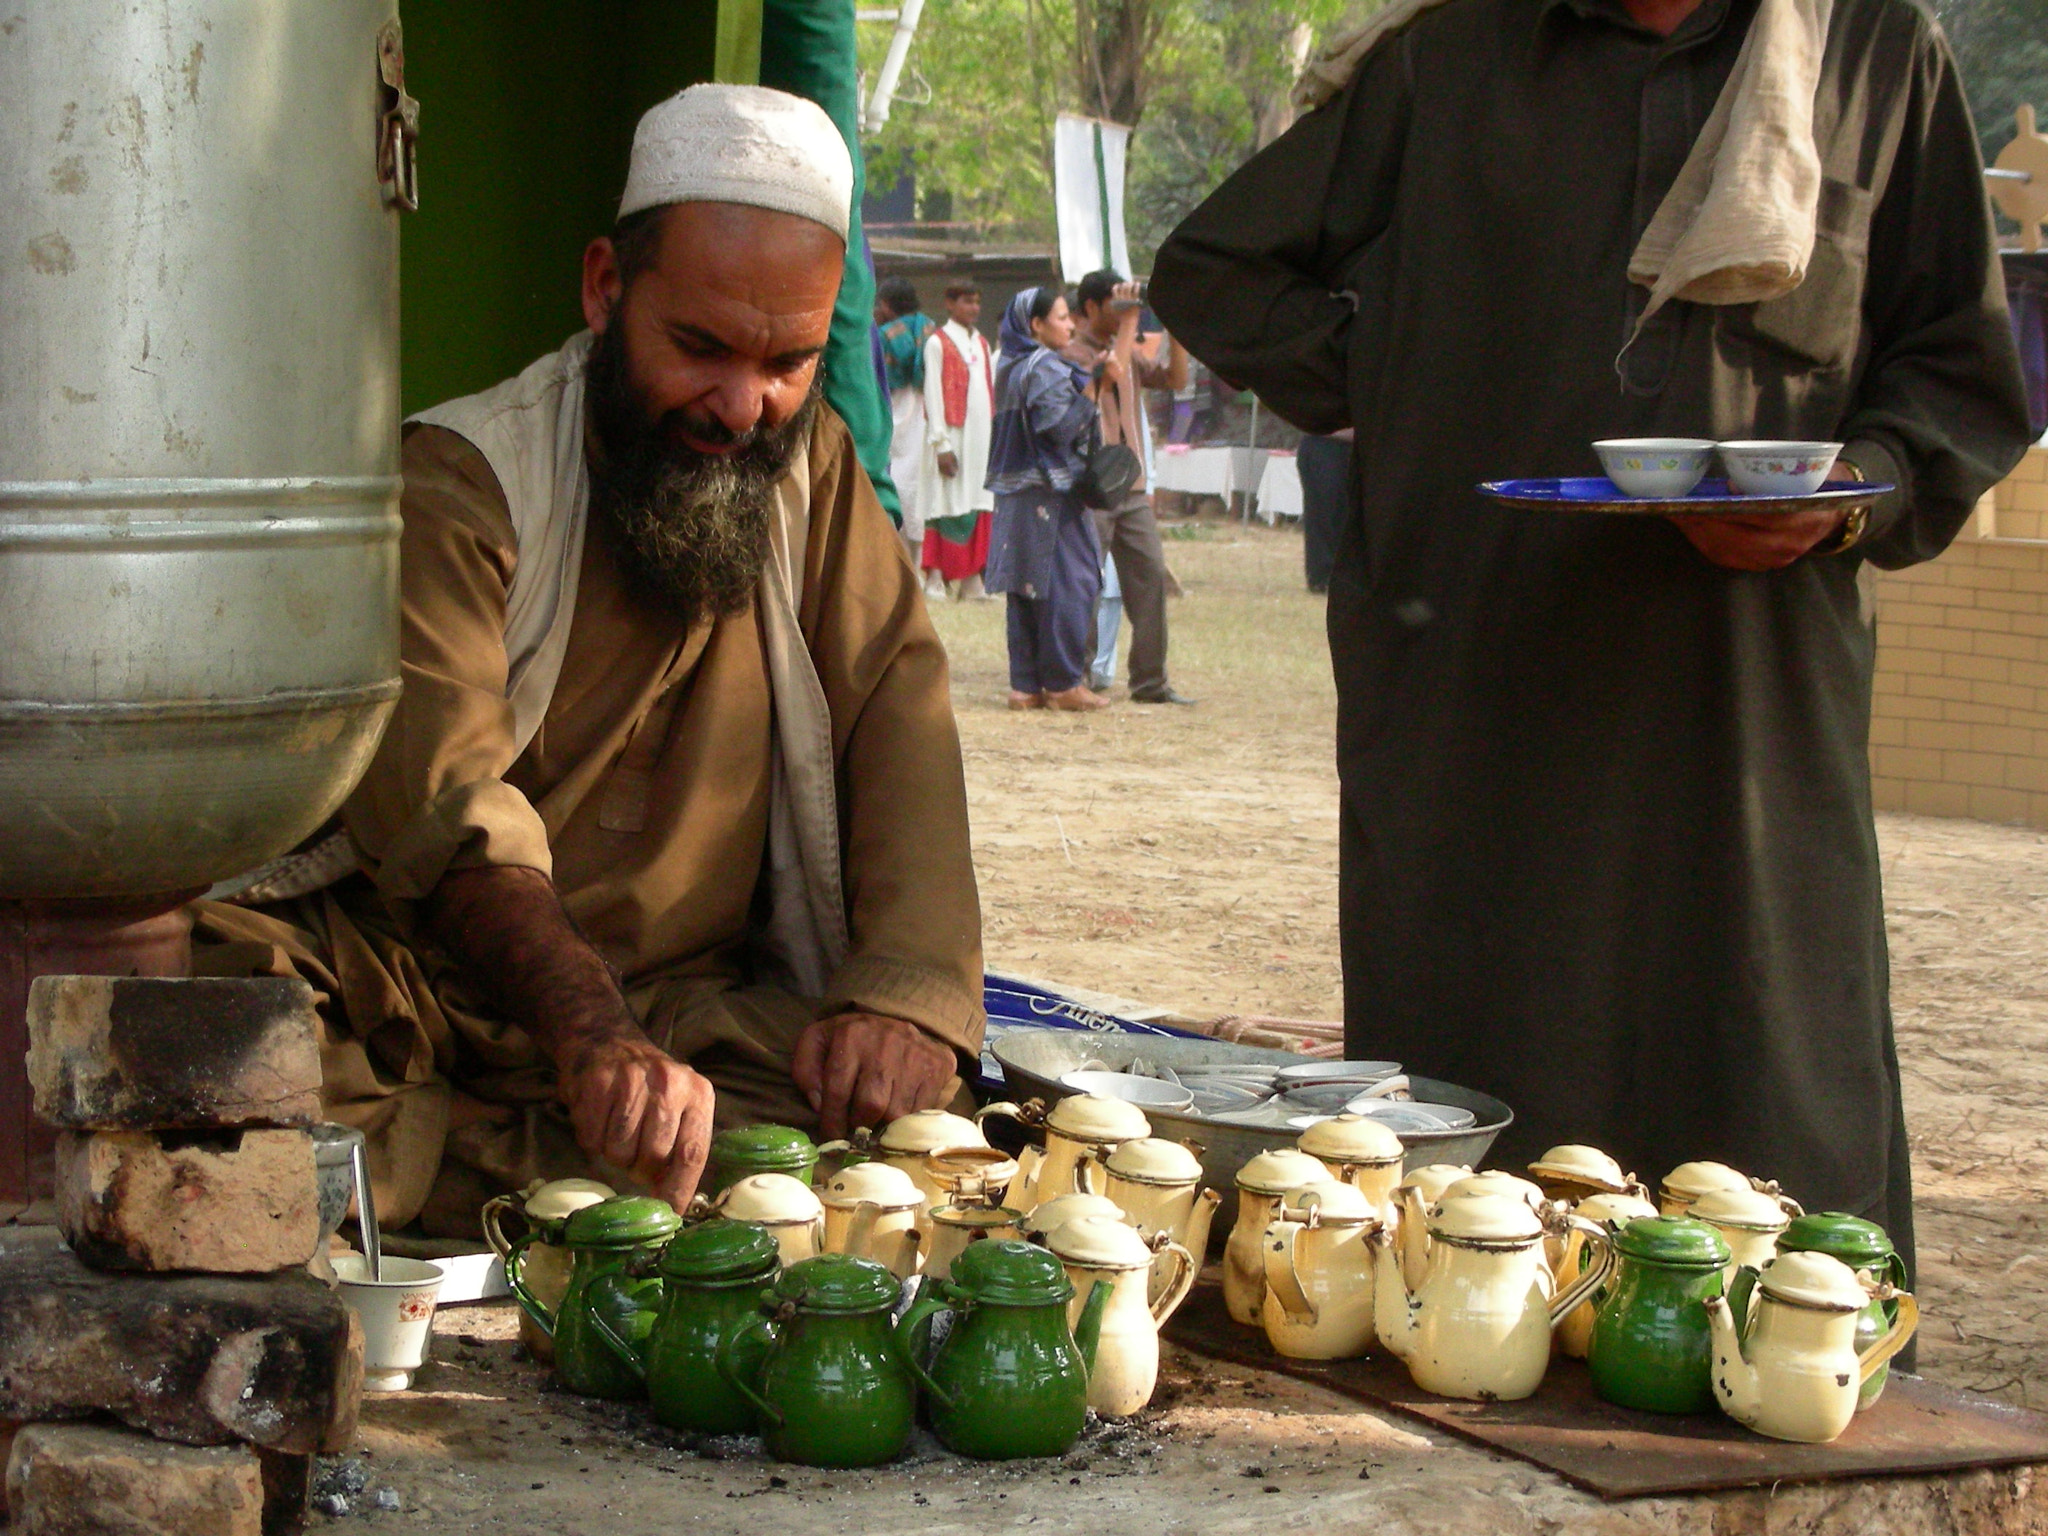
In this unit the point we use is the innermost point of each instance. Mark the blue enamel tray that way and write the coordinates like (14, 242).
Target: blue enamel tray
(1596, 493)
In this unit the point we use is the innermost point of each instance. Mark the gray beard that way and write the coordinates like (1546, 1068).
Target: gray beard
(690, 529)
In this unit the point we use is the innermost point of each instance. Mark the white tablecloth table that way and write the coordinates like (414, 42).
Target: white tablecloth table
(1279, 487)
(1197, 471)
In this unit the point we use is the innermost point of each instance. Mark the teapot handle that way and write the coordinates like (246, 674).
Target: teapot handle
(1894, 1338)
(1283, 1275)
(1183, 1281)
(931, 1300)
(729, 1368)
(1030, 1114)
(530, 1304)
(1088, 1171)
(1600, 1245)
(621, 1346)
(494, 1234)
(1741, 1295)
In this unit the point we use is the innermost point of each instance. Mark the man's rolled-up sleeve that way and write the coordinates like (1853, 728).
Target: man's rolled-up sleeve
(913, 913)
(435, 797)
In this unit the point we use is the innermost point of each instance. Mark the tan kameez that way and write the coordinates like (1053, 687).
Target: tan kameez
(645, 796)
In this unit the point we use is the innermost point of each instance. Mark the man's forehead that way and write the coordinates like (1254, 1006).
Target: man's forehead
(758, 280)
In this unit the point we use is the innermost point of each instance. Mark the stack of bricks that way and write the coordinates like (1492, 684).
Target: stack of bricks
(1959, 716)
(172, 1364)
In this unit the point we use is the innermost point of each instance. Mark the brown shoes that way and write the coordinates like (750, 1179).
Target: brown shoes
(1080, 696)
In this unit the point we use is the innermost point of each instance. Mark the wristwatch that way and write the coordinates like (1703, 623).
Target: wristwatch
(1850, 534)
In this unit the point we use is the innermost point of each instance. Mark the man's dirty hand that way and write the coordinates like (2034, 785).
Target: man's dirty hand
(1760, 541)
(865, 1069)
(638, 1108)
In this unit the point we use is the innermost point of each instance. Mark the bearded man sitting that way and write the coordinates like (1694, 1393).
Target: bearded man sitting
(669, 829)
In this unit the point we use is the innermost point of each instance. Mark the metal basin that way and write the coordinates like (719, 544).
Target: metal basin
(1033, 1061)
(198, 436)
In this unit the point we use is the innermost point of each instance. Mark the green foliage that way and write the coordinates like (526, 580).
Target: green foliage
(2001, 49)
(1209, 89)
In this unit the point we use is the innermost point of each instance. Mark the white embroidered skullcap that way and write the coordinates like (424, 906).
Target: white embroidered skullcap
(741, 144)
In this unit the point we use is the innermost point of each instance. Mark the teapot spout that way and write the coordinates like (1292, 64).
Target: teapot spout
(1393, 1308)
(1088, 1327)
(1735, 1382)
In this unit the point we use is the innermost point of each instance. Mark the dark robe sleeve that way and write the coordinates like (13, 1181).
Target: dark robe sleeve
(1942, 399)
(1253, 280)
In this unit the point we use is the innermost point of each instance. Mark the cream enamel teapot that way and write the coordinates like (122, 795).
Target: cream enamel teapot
(1260, 1185)
(1159, 1185)
(1076, 1126)
(1098, 1249)
(1319, 1273)
(1415, 1193)
(1479, 1324)
(1572, 1173)
(871, 1212)
(1750, 1223)
(1790, 1368)
(1359, 1151)
(905, 1142)
(786, 1207)
(1688, 1181)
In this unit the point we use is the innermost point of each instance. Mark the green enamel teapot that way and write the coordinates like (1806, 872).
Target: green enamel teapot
(1651, 1346)
(834, 1385)
(750, 1149)
(602, 1240)
(711, 1277)
(1010, 1379)
(1864, 1247)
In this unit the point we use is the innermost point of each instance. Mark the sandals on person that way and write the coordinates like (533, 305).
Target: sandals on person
(1080, 696)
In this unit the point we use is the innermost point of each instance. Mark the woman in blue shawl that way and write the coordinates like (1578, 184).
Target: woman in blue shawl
(1042, 548)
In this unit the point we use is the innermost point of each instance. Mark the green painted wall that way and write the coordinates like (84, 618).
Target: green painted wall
(527, 110)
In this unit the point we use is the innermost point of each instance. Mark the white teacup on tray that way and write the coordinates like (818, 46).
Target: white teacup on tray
(1763, 468)
(1655, 468)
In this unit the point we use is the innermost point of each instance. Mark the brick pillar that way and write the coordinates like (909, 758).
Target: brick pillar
(113, 936)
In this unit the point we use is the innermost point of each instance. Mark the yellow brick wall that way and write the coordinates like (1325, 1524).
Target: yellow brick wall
(1959, 722)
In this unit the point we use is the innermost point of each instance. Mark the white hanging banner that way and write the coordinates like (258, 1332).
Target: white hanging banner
(1088, 195)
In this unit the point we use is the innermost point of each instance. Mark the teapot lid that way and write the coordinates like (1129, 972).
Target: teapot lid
(1746, 1208)
(564, 1197)
(764, 1146)
(838, 1282)
(718, 1250)
(1858, 1243)
(1281, 1169)
(1333, 1202)
(1691, 1180)
(1483, 1218)
(1060, 1209)
(1091, 1117)
(1675, 1240)
(1432, 1179)
(971, 1217)
(1581, 1165)
(623, 1221)
(1099, 1242)
(1004, 1272)
(1619, 1209)
(882, 1184)
(1813, 1280)
(1154, 1160)
(930, 1130)
(770, 1197)
(1496, 1182)
(1351, 1139)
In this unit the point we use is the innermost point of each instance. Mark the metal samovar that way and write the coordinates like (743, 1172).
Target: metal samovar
(198, 463)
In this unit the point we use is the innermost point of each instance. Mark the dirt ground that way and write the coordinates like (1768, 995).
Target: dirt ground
(1187, 857)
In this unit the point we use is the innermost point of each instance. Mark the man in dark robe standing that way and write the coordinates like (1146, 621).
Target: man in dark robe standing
(1607, 847)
